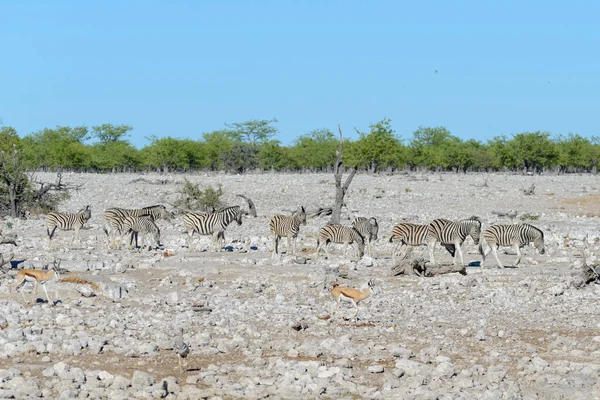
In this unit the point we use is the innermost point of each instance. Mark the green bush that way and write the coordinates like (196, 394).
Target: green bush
(191, 197)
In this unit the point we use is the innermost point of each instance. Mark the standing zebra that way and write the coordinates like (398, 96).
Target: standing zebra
(114, 217)
(368, 229)
(409, 234)
(334, 233)
(449, 232)
(67, 222)
(213, 223)
(517, 235)
(143, 224)
(283, 225)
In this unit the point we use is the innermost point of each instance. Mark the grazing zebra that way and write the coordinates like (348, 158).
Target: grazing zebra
(288, 226)
(517, 235)
(409, 234)
(368, 228)
(334, 233)
(113, 219)
(67, 222)
(143, 224)
(213, 223)
(449, 232)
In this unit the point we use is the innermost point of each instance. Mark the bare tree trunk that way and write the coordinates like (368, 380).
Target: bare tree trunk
(340, 190)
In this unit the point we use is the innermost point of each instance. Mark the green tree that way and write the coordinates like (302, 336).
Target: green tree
(379, 148)
(573, 152)
(61, 147)
(107, 133)
(114, 156)
(273, 156)
(314, 150)
(428, 148)
(534, 151)
(217, 143)
(9, 139)
(254, 131)
(169, 154)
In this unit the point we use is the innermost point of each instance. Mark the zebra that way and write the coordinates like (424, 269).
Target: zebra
(517, 235)
(410, 234)
(368, 229)
(449, 232)
(335, 233)
(143, 224)
(212, 223)
(114, 216)
(289, 226)
(67, 222)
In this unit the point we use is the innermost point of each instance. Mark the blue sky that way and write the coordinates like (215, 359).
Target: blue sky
(182, 68)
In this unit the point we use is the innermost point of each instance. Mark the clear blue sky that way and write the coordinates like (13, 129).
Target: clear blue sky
(185, 68)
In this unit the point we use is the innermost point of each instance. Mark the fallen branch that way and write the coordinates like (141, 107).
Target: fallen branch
(417, 266)
(510, 214)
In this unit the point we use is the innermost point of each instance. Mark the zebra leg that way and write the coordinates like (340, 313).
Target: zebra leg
(519, 254)
(495, 251)
(189, 240)
(50, 235)
(431, 245)
(275, 243)
(369, 247)
(459, 251)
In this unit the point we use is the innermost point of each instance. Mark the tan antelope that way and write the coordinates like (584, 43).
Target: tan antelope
(38, 277)
(350, 295)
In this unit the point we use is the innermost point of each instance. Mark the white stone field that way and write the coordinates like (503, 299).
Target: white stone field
(260, 328)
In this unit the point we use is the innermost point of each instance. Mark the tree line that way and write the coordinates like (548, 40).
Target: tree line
(251, 145)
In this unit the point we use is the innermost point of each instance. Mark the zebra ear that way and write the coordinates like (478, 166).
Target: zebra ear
(302, 208)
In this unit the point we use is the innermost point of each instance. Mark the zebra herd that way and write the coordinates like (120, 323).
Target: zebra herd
(362, 231)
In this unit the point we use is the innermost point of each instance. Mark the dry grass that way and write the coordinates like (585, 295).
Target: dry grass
(80, 281)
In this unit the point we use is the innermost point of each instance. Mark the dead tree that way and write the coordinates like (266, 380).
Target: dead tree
(12, 175)
(251, 206)
(340, 190)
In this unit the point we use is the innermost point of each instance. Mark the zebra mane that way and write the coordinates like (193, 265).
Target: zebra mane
(155, 206)
(536, 229)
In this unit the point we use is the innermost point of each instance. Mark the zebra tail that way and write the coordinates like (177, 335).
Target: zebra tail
(391, 239)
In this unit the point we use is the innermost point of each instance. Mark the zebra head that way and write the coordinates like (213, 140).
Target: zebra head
(538, 242)
(86, 213)
(300, 215)
(238, 216)
(474, 229)
(374, 228)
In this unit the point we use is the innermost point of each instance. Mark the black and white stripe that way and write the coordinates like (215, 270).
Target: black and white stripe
(143, 225)
(409, 234)
(67, 222)
(213, 223)
(517, 235)
(288, 226)
(114, 217)
(450, 232)
(368, 229)
(346, 235)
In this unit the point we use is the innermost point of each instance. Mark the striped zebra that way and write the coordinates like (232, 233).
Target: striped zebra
(517, 235)
(144, 225)
(67, 222)
(288, 226)
(368, 229)
(113, 220)
(409, 234)
(212, 223)
(449, 232)
(334, 233)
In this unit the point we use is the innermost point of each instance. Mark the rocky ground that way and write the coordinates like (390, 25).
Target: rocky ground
(259, 327)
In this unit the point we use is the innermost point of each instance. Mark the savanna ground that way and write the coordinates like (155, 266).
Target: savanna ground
(512, 333)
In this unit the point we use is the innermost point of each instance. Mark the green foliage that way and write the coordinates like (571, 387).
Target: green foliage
(191, 197)
(107, 133)
(315, 150)
(250, 145)
(377, 149)
(254, 131)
